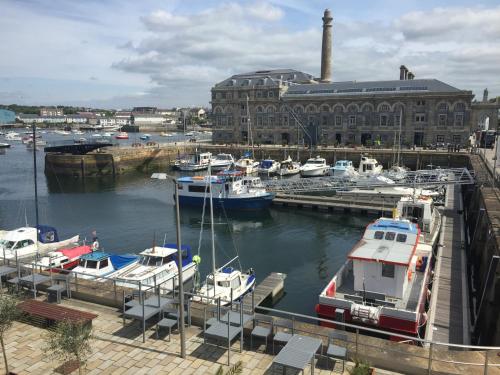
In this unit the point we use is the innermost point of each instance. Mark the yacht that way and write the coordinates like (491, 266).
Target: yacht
(122, 135)
(64, 259)
(314, 167)
(198, 162)
(145, 137)
(289, 167)
(230, 190)
(369, 166)
(246, 164)
(385, 280)
(157, 266)
(221, 161)
(4, 145)
(268, 167)
(343, 168)
(13, 136)
(99, 264)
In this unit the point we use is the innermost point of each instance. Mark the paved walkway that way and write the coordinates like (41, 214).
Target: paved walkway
(119, 349)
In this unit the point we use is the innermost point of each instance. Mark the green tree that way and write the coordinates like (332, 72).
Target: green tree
(8, 313)
(70, 341)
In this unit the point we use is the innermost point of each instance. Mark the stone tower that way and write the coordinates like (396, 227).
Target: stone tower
(326, 48)
(485, 96)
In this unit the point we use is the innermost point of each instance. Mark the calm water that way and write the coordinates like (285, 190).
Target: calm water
(129, 212)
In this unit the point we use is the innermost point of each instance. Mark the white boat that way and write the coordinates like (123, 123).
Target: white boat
(122, 135)
(27, 241)
(384, 282)
(165, 134)
(343, 168)
(157, 266)
(97, 135)
(314, 167)
(107, 135)
(99, 264)
(13, 136)
(65, 259)
(268, 167)
(189, 134)
(221, 161)
(246, 165)
(62, 132)
(4, 145)
(369, 166)
(198, 162)
(77, 132)
(397, 173)
(289, 167)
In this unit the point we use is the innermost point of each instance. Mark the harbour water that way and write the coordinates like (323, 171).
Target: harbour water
(130, 212)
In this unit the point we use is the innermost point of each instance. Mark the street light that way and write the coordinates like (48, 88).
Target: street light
(164, 176)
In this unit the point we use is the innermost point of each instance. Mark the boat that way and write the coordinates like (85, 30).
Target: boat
(198, 162)
(397, 173)
(189, 134)
(28, 241)
(4, 145)
(369, 166)
(230, 189)
(165, 134)
(13, 136)
(122, 135)
(289, 167)
(77, 132)
(62, 132)
(343, 168)
(64, 259)
(385, 280)
(225, 284)
(246, 164)
(314, 167)
(80, 140)
(268, 167)
(145, 137)
(221, 161)
(101, 264)
(96, 135)
(157, 266)
(107, 135)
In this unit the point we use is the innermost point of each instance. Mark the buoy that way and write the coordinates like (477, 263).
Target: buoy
(197, 259)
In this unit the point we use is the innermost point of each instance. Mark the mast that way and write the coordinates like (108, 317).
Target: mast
(399, 138)
(36, 184)
(211, 218)
(249, 129)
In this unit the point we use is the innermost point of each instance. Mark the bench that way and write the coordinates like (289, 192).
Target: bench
(49, 314)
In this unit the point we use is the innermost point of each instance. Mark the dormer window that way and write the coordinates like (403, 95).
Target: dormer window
(389, 236)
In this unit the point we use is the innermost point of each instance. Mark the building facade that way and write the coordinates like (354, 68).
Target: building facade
(51, 111)
(7, 117)
(290, 107)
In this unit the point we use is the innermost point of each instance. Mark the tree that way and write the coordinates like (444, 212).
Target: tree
(70, 341)
(8, 313)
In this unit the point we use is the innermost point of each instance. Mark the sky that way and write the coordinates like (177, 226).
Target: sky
(125, 53)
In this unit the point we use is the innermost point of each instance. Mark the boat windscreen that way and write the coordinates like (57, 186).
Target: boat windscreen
(6, 244)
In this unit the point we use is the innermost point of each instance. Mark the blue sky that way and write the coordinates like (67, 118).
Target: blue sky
(118, 53)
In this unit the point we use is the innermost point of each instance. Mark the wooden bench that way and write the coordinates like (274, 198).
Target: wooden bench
(49, 314)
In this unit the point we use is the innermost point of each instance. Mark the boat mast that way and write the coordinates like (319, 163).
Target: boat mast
(36, 185)
(249, 128)
(212, 218)
(399, 138)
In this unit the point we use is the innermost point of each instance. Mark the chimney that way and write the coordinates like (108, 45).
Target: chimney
(485, 96)
(403, 71)
(410, 75)
(326, 48)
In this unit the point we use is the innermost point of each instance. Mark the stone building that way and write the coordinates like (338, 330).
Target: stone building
(285, 106)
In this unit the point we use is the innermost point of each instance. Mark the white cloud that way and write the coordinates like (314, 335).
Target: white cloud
(265, 11)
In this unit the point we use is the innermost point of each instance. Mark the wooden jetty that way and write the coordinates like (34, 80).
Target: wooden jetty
(271, 288)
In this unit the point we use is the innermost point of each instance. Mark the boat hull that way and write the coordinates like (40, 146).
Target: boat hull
(317, 172)
(241, 203)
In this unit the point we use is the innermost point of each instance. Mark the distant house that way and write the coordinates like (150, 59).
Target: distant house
(107, 121)
(151, 110)
(51, 111)
(91, 117)
(30, 119)
(147, 119)
(76, 119)
(123, 118)
(7, 117)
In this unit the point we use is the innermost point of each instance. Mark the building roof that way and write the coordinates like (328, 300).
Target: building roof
(266, 78)
(371, 88)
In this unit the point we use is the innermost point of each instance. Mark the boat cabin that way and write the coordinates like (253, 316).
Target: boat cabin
(369, 165)
(316, 161)
(228, 278)
(97, 263)
(417, 210)
(22, 241)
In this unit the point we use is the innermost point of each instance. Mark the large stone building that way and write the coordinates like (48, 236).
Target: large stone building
(288, 106)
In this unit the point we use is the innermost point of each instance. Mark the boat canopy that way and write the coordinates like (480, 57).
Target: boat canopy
(120, 261)
(76, 251)
(96, 255)
(266, 164)
(187, 257)
(395, 225)
(247, 154)
(47, 234)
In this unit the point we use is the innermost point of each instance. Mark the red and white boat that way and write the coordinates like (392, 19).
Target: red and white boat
(64, 259)
(122, 135)
(385, 280)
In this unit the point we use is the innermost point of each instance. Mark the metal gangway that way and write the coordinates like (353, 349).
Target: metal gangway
(425, 178)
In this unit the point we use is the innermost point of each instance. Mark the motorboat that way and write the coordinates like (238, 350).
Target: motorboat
(369, 166)
(221, 161)
(157, 266)
(268, 167)
(145, 137)
(246, 164)
(397, 173)
(13, 136)
(289, 167)
(62, 132)
(80, 141)
(198, 162)
(230, 190)
(77, 132)
(63, 259)
(385, 280)
(107, 135)
(101, 264)
(343, 168)
(314, 167)
(165, 134)
(96, 135)
(122, 135)
(27, 241)
(4, 145)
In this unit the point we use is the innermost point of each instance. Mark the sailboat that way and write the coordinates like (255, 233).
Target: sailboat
(225, 283)
(397, 172)
(247, 163)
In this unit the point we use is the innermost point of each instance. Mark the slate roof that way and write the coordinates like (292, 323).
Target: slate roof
(266, 78)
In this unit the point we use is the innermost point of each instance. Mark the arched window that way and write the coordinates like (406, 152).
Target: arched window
(459, 106)
(311, 108)
(325, 108)
(367, 107)
(384, 108)
(352, 108)
(259, 109)
(443, 107)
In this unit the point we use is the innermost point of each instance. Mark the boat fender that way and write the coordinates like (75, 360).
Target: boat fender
(410, 274)
(197, 259)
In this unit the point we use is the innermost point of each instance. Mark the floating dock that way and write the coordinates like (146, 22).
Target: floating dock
(271, 288)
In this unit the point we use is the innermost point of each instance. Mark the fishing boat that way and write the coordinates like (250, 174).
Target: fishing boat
(101, 264)
(199, 162)
(221, 161)
(314, 167)
(230, 190)
(28, 241)
(157, 266)
(64, 259)
(343, 168)
(122, 135)
(268, 167)
(369, 166)
(289, 167)
(385, 280)
(246, 165)
(145, 137)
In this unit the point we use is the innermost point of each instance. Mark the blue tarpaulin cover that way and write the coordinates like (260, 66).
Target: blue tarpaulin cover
(186, 253)
(120, 261)
(47, 234)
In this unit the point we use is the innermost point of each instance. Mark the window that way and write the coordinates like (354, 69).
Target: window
(459, 119)
(442, 119)
(420, 117)
(443, 107)
(259, 94)
(259, 121)
(103, 263)
(243, 120)
(235, 283)
(383, 120)
(440, 138)
(459, 107)
(270, 94)
(352, 120)
(421, 102)
(457, 138)
(338, 120)
(389, 236)
(324, 120)
(92, 264)
(384, 108)
(397, 119)
(378, 235)
(401, 237)
(285, 120)
(198, 188)
(388, 270)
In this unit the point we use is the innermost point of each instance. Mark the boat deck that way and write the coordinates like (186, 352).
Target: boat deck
(410, 302)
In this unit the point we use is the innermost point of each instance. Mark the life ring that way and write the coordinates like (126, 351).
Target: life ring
(197, 177)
